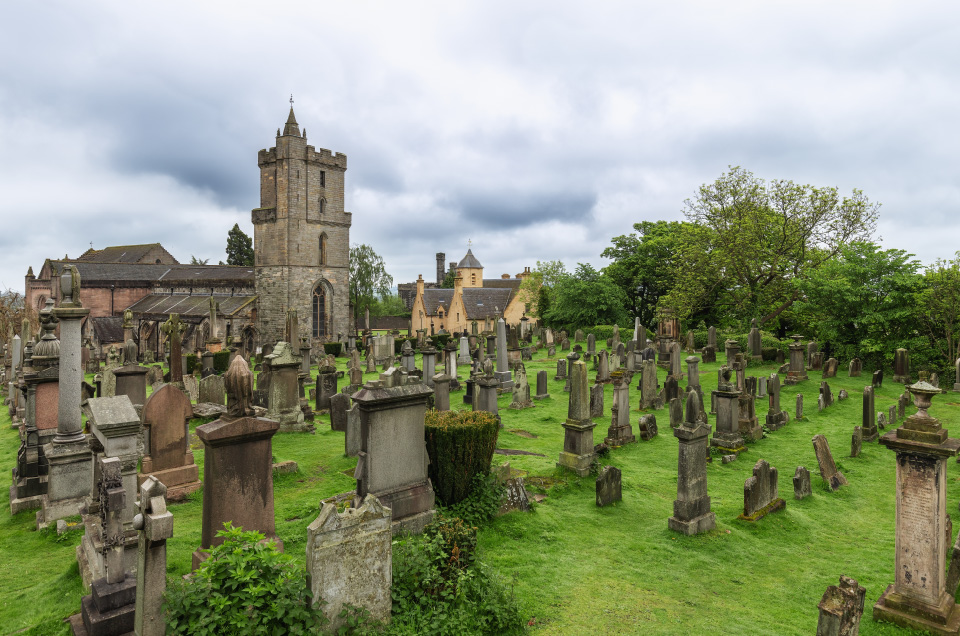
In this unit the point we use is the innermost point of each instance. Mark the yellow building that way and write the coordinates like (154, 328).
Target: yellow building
(473, 300)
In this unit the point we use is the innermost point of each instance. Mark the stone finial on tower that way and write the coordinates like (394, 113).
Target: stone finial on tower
(291, 127)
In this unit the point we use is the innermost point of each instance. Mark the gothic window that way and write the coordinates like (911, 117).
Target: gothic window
(323, 205)
(322, 245)
(323, 179)
(319, 312)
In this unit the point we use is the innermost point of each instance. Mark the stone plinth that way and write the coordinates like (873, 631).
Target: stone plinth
(760, 493)
(283, 396)
(392, 460)
(238, 478)
(131, 380)
(349, 560)
(727, 436)
(918, 597)
(797, 372)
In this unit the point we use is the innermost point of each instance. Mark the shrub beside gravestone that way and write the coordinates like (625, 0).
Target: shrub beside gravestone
(460, 445)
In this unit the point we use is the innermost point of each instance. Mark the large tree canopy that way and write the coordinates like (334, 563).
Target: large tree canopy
(756, 239)
(239, 247)
(368, 278)
(585, 298)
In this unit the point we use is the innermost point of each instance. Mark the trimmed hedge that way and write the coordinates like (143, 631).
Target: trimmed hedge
(440, 340)
(193, 362)
(460, 445)
(221, 362)
(332, 348)
(398, 344)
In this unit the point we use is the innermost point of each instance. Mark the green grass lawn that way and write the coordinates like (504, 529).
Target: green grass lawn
(576, 568)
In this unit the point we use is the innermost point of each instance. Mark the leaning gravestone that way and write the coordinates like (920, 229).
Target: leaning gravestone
(212, 390)
(608, 486)
(828, 468)
(841, 608)
(760, 493)
(648, 427)
(856, 441)
(830, 368)
(801, 483)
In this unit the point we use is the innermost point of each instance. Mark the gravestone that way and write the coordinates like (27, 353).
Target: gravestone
(603, 370)
(901, 366)
(591, 344)
(902, 403)
(855, 369)
(521, 390)
(167, 455)
(485, 391)
(868, 422)
(608, 486)
(649, 396)
(327, 385)
(237, 467)
(691, 509)
(542, 393)
(830, 368)
(877, 380)
(762, 386)
(283, 398)
(881, 420)
(856, 441)
(828, 468)
(647, 427)
(892, 415)
(675, 362)
(192, 387)
(826, 394)
(918, 597)
(727, 436)
(212, 390)
(841, 608)
(561, 369)
(154, 525)
(620, 432)
(797, 372)
(351, 440)
(441, 392)
(408, 359)
(130, 379)
(776, 418)
(709, 353)
(842, 395)
(956, 384)
(503, 369)
(578, 335)
(798, 414)
(671, 389)
(801, 483)
(675, 410)
(760, 493)
(747, 417)
(596, 400)
(349, 561)
(578, 453)
(754, 341)
(339, 403)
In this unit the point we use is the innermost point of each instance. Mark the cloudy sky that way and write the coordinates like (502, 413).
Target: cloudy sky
(538, 130)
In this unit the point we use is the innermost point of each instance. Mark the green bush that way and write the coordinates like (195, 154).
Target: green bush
(332, 348)
(245, 587)
(460, 445)
(193, 362)
(221, 361)
(440, 340)
(440, 587)
(769, 354)
(483, 502)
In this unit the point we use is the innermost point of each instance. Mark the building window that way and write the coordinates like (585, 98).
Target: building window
(319, 312)
(323, 249)
(323, 204)
(323, 179)
(473, 279)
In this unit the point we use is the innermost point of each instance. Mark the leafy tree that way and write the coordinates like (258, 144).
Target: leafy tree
(862, 303)
(197, 261)
(448, 279)
(645, 263)
(239, 247)
(756, 239)
(939, 308)
(585, 298)
(536, 288)
(368, 278)
(389, 305)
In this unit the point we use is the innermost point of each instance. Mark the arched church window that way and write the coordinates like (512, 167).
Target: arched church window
(322, 245)
(319, 312)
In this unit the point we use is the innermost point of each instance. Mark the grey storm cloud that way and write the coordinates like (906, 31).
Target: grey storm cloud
(488, 122)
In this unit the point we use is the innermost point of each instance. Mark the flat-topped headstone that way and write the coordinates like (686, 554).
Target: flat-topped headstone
(877, 380)
(901, 366)
(828, 468)
(868, 422)
(542, 392)
(339, 404)
(213, 390)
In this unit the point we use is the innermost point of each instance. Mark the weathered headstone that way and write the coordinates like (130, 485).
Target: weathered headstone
(901, 366)
(578, 453)
(647, 427)
(798, 415)
(620, 432)
(801, 483)
(691, 509)
(339, 403)
(167, 455)
(841, 608)
(283, 399)
(797, 372)
(608, 486)
(826, 394)
(760, 493)
(349, 561)
(521, 390)
(828, 468)
(855, 369)
(542, 392)
(754, 341)
(856, 441)
(649, 397)
(727, 436)
(868, 422)
(212, 390)
(561, 369)
(747, 417)
(237, 467)
(351, 440)
(830, 368)
(776, 418)
(154, 525)
(918, 596)
(596, 400)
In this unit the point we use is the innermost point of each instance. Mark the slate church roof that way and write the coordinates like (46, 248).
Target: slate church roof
(107, 329)
(126, 254)
(484, 302)
(190, 307)
(435, 298)
(469, 261)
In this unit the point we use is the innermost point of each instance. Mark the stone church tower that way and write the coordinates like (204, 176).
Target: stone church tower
(301, 239)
